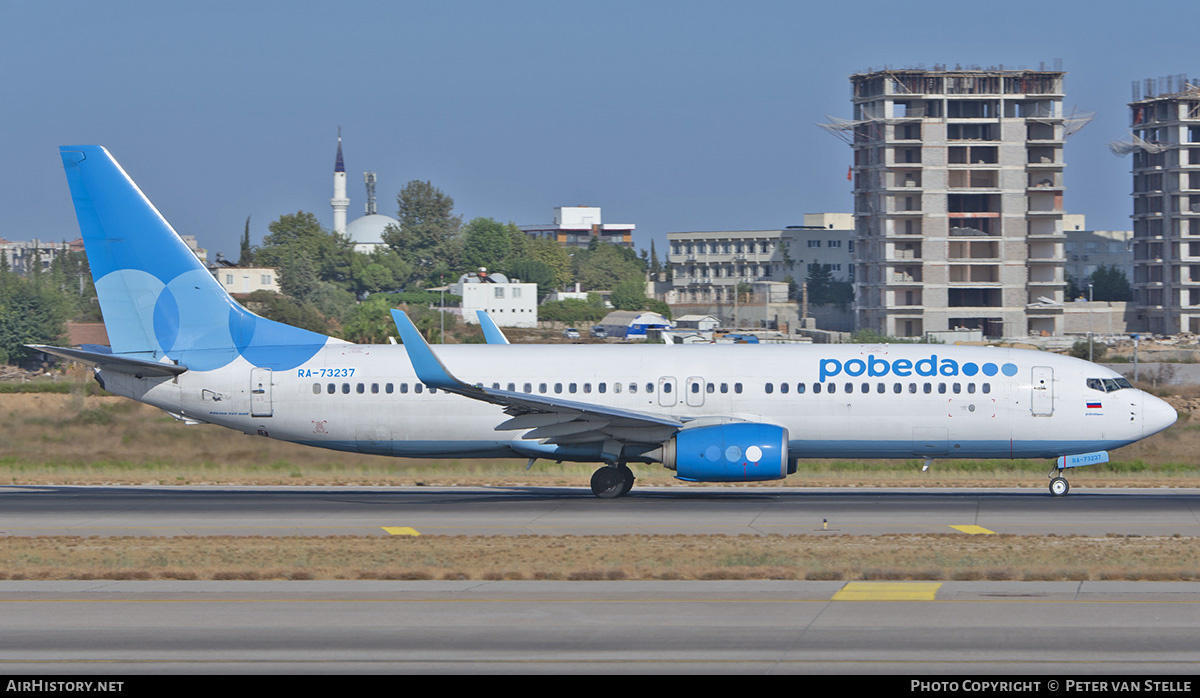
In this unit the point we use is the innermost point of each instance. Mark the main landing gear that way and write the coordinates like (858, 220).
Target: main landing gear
(612, 481)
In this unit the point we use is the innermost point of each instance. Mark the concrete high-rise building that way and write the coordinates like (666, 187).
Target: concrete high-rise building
(958, 195)
(1165, 119)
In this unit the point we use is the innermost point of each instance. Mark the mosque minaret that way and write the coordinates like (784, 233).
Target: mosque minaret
(339, 202)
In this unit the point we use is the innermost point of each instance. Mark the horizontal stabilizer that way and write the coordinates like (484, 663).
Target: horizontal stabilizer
(114, 362)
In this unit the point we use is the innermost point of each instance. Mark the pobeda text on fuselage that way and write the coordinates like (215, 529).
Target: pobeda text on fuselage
(710, 413)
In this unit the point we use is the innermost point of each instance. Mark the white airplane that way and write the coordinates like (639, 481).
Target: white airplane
(710, 413)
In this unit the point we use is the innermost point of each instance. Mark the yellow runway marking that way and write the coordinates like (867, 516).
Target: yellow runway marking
(401, 531)
(972, 529)
(888, 591)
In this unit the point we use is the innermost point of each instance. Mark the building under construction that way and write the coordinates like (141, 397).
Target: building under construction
(1165, 144)
(958, 196)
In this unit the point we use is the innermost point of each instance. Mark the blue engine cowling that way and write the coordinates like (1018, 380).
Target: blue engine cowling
(737, 452)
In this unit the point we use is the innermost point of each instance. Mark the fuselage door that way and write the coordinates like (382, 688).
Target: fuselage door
(1043, 391)
(260, 392)
(694, 395)
(666, 391)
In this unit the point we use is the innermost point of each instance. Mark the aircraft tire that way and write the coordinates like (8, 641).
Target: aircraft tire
(607, 483)
(626, 479)
(1059, 487)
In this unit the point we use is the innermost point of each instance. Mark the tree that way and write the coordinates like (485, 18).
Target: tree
(486, 243)
(246, 254)
(605, 265)
(1110, 284)
(301, 234)
(427, 231)
(31, 312)
(629, 295)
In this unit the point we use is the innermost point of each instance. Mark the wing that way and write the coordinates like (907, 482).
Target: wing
(491, 332)
(549, 419)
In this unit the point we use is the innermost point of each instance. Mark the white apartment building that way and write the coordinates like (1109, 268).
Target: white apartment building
(707, 266)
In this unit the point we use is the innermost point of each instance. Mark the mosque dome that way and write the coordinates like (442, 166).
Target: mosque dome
(368, 230)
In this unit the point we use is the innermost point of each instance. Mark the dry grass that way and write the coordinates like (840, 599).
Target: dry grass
(73, 439)
(814, 557)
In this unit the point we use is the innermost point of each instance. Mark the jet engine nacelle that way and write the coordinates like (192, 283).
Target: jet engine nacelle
(736, 452)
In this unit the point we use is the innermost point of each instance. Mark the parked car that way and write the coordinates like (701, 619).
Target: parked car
(571, 333)
(599, 332)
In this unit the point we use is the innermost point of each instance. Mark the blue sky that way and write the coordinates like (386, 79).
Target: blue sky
(674, 116)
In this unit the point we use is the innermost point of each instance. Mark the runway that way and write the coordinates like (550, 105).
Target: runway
(508, 511)
(1064, 630)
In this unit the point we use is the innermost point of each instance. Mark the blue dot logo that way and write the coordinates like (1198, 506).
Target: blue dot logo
(990, 369)
(1009, 369)
(970, 369)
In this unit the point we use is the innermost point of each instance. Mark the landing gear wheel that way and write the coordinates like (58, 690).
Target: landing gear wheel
(607, 483)
(1059, 486)
(626, 479)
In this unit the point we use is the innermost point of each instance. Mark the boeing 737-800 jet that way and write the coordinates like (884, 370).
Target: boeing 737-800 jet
(710, 413)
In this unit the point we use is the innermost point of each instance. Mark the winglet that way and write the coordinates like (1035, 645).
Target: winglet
(491, 332)
(428, 366)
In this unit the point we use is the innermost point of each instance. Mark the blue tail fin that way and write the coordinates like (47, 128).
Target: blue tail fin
(157, 298)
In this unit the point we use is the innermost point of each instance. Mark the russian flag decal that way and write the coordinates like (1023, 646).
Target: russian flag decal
(1094, 406)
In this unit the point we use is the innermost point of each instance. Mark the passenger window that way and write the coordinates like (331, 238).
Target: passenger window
(542, 388)
(649, 387)
(928, 388)
(941, 388)
(866, 387)
(529, 387)
(572, 387)
(316, 388)
(388, 388)
(418, 388)
(896, 388)
(710, 388)
(616, 387)
(957, 388)
(331, 388)
(558, 387)
(633, 388)
(817, 388)
(987, 388)
(880, 388)
(495, 386)
(666, 387)
(800, 388)
(769, 388)
(737, 388)
(587, 387)
(360, 389)
(345, 388)
(849, 387)
(404, 388)
(783, 387)
(695, 388)
(912, 388)
(833, 387)
(724, 388)
(602, 388)
(374, 388)
(970, 388)
(512, 387)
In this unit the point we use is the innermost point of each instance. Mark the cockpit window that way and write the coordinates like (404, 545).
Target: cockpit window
(1108, 385)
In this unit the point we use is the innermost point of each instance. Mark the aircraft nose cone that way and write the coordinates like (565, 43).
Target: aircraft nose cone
(1156, 415)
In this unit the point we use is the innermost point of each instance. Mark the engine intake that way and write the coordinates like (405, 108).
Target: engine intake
(737, 452)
